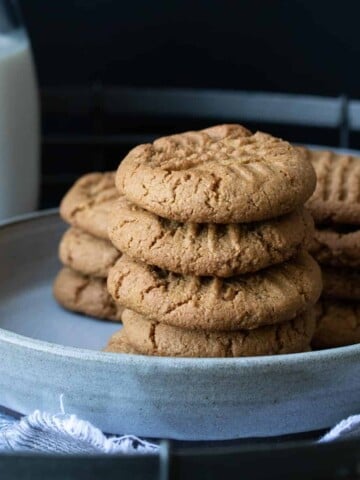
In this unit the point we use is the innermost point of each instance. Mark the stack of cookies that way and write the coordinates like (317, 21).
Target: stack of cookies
(335, 206)
(214, 236)
(85, 249)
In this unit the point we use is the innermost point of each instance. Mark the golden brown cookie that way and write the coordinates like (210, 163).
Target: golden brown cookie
(337, 195)
(223, 174)
(207, 249)
(87, 254)
(153, 338)
(338, 246)
(338, 324)
(342, 283)
(119, 343)
(89, 202)
(271, 296)
(87, 295)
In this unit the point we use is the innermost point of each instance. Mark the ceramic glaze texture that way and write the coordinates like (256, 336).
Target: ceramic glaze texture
(46, 352)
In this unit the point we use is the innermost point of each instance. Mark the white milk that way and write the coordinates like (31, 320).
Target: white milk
(19, 127)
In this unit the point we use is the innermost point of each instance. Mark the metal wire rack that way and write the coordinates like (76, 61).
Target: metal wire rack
(93, 128)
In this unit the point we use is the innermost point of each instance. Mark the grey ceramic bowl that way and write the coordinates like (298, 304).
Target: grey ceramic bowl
(46, 353)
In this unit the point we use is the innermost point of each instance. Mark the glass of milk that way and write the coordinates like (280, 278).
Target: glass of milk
(19, 117)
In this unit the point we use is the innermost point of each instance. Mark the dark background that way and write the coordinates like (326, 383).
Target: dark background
(287, 46)
(299, 47)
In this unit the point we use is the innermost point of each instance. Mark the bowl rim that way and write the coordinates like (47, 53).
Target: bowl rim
(14, 339)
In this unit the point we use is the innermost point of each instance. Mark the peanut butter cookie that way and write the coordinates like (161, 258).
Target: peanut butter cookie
(337, 195)
(87, 254)
(274, 295)
(338, 324)
(223, 174)
(119, 343)
(342, 283)
(86, 295)
(153, 338)
(89, 202)
(207, 249)
(338, 246)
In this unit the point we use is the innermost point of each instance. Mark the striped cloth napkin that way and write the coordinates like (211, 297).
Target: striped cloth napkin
(68, 434)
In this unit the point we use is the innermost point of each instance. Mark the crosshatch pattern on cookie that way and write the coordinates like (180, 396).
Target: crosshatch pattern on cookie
(337, 195)
(224, 174)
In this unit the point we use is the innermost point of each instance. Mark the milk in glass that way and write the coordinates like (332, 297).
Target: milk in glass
(19, 126)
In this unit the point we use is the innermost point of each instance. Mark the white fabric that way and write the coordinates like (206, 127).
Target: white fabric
(63, 433)
(348, 428)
